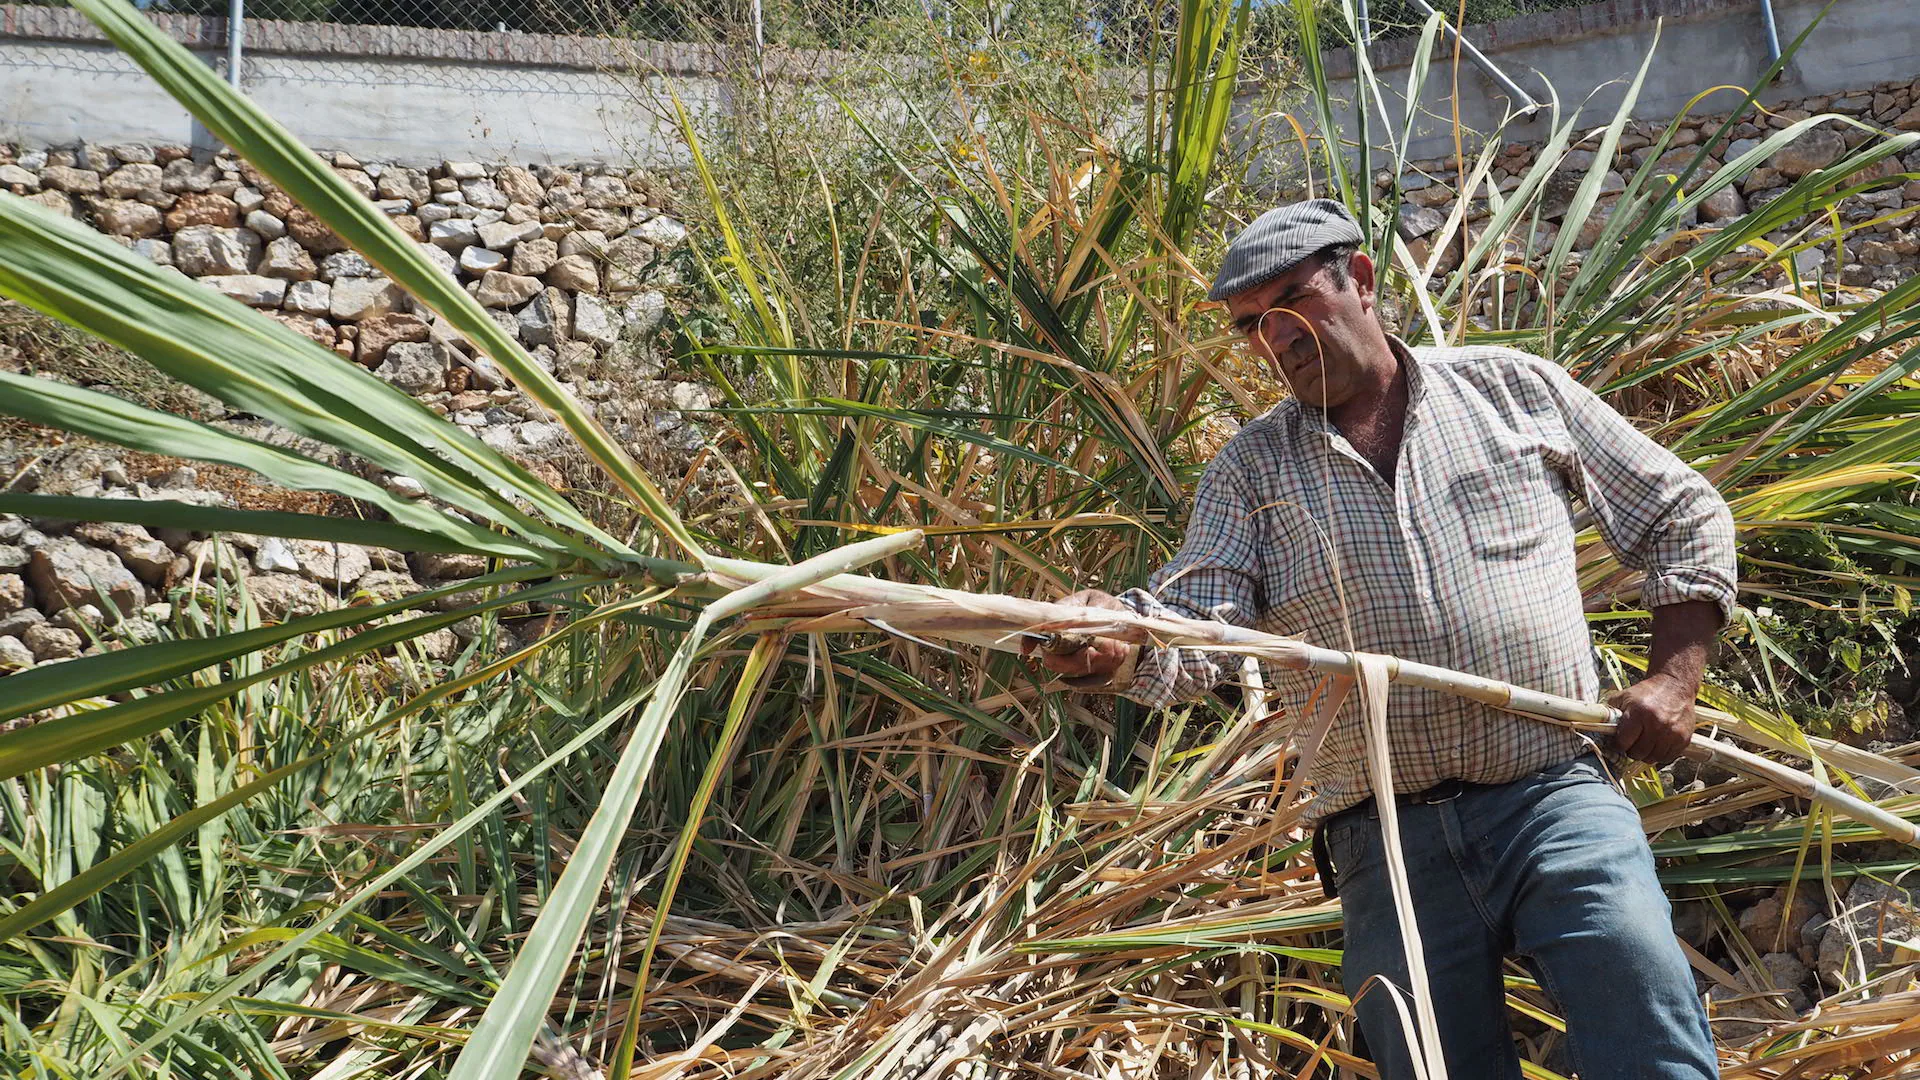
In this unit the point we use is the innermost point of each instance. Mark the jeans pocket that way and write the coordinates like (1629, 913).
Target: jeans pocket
(1349, 846)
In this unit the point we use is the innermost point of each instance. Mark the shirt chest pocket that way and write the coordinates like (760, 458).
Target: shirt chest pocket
(1506, 509)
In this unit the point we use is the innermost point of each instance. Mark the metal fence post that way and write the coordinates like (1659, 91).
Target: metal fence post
(1772, 31)
(236, 39)
(1528, 106)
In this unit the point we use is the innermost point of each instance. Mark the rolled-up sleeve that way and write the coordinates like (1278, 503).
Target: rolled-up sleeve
(1658, 514)
(1215, 577)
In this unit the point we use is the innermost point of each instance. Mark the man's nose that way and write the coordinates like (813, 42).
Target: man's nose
(1283, 329)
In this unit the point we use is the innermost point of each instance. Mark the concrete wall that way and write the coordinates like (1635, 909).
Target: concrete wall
(393, 94)
(1590, 54)
(419, 96)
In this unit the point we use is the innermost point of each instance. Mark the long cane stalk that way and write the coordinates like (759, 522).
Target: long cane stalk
(1000, 622)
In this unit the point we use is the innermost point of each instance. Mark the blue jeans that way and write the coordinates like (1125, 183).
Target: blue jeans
(1553, 867)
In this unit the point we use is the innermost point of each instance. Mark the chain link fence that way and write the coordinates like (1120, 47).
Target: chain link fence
(1120, 28)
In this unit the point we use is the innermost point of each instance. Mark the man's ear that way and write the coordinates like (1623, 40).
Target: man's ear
(1360, 269)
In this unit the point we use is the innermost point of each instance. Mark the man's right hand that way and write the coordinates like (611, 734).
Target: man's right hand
(1097, 662)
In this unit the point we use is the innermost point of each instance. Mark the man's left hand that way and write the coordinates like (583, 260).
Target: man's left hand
(1656, 718)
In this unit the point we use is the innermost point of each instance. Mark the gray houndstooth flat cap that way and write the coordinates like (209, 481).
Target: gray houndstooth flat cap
(1277, 241)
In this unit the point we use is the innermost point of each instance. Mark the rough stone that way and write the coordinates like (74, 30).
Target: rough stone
(1909, 120)
(1879, 917)
(312, 233)
(157, 251)
(415, 367)
(643, 312)
(65, 572)
(1723, 205)
(310, 326)
(477, 260)
(338, 565)
(503, 235)
(82, 619)
(13, 593)
(12, 175)
(203, 250)
(382, 332)
(274, 556)
(405, 486)
(662, 232)
(534, 257)
(591, 323)
(268, 226)
(139, 181)
(286, 259)
(16, 623)
(253, 290)
(346, 264)
(14, 654)
(445, 566)
(1736, 1014)
(50, 642)
(70, 180)
(401, 183)
(546, 320)
(584, 242)
(606, 192)
(1595, 223)
(136, 548)
(359, 179)
(204, 208)
(575, 273)
(285, 596)
(520, 185)
(1788, 974)
(1812, 150)
(385, 586)
(358, 298)
(1418, 221)
(125, 217)
(309, 298)
(453, 234)
(605, 221)
(183, 175)
(483, 193)
(441, 260)
(498, 289)
(58, 202)
(1877, 253)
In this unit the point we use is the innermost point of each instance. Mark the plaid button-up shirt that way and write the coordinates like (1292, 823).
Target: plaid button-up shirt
(1466, 561)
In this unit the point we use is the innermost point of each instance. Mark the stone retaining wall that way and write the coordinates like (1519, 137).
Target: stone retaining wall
(577, 262)
(1882, 243)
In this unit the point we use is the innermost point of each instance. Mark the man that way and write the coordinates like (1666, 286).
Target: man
(1417, 502)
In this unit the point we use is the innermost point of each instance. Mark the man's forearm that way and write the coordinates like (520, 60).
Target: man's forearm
(1683, 636)
(1656, 713)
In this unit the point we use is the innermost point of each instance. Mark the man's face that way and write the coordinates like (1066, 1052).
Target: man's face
(1317, 334)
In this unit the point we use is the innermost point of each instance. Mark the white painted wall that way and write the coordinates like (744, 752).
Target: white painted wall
(408, 111)
(1858, 44)
(418, 111)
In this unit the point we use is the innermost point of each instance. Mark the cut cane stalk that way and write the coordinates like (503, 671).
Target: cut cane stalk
(850, 603)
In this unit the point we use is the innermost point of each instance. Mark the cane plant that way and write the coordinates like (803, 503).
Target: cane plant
(808, 849)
